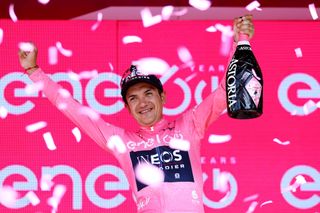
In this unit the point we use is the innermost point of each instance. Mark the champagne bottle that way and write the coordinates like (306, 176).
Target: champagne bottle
(244, 82)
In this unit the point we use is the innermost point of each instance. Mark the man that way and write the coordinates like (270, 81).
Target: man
(171, 149)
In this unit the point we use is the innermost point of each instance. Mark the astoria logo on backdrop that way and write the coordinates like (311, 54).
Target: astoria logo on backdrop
(174, 163)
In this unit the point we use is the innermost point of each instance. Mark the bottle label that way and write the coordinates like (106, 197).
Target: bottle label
(231, 83)
(254, 89)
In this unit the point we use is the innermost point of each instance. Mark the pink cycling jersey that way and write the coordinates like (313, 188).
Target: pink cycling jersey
(182, 189)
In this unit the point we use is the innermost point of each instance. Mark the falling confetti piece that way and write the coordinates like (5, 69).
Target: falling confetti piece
(253, 6)
(3, 112)
(90, 113)
(36, 126)
(184, 54)
(111, 66)
(223, 182)
(98, 22)
(180, 144)
(46, 182)
(313, 11)
(265, 203)
(250, 198)
(115, 142)
(49, 141)
(211, 29)
(200, 4)
(33, 198)
(147, 18)
(131, 39)
(12, 14)
(252, 207)
(64, 93)
(298, 52)
(33, 88)
(149, 174)
(53, 55)
(181, 12)
(8, 196)
(43, 1)
(298, 182)
(216, 139)
(280, 142)
(166, 12)
(190, 77)
(1, 35)
(309, 106)
(58, 193)
(152, 65)
(63, 51)
(77, 134)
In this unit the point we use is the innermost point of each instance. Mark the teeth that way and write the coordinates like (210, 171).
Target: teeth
(145, 111)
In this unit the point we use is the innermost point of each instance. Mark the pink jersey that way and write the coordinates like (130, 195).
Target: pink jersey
(182, 189)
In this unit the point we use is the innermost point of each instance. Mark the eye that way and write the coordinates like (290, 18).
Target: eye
(131, 98)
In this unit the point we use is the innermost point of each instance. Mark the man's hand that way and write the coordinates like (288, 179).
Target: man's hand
(244, 25)
(28, 57)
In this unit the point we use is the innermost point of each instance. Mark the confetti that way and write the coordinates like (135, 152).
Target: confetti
(200, 4)
(53, 55)
(1, 35)
(33, 88)
(33, 198)
(253, 6)
(223, 182)
(3, 112)
(265, 203)
(149, 174)
(152, 65)
(298, 52)
(43, 1)
(216, 139)
(147, 18)
(190, 77)
(12, 14)
(8, 196)
(58, 193)
(46, 182)
(97, 24)
(49, 141)
(211, 29)
(184, 54)
(180, 144)
(65, 52)
(36, 126)
(166, 12)
(181, 12)
(280, 142)
(115, 142)
(313, 11)
(89, 112)
(111, 66)
(26, 46)
(309, 106)
(250, 198)
(64, 93)
(77, 134)
(252, 207)
(131, 39)
(298, 182)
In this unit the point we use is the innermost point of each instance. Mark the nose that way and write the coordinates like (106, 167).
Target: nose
(143, 102)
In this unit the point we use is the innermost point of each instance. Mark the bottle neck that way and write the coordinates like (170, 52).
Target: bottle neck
(243, 39)
(244, 42)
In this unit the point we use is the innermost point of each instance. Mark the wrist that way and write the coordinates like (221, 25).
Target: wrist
(31, 69)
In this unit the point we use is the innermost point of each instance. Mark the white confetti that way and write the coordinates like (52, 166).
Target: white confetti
(43, 1)
(33, 88)
(298, 182)
(53, 55)
(12, 14)
(211, 29)
(8, 196)
(49, 141)
(254, 5)
(88, 74)
(1, 35)
(63, 51)
(252, 207)
(298, 52)
(97, 24)
(200, 4)
(190, 77)
(318, 104)
(33, 198)
(73, 76)
(77, 134)
(58, 193)
(147, 18)
(62, 106)
(149, 174)
(313, 11)
(250, 198)
(216, 139)
(152, 65)
(36, 126)
(115, 143)
(90, 113)
(166, 12)
(111, 66)
(64, 93)
(309, 106)
(280, 142)
(181, 12)
(180, 144)
(223, 182)
(184, 54)
(3, 112)
(131, 39)
(265, 203)
(46, 182)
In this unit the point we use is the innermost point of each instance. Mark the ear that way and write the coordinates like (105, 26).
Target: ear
(163, 97)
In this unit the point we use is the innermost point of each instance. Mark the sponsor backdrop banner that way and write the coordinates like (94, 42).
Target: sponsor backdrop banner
(268, 164)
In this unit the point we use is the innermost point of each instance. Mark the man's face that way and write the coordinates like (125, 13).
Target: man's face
(145, 103)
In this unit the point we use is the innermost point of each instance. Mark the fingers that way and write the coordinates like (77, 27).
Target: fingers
(244, 25)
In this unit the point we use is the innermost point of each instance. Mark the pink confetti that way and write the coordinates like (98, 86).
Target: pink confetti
(1, 35)
(216, 139)
(180, 144)
(8, 196)
(200, 4)
(166, 12)
(184, 54)
(253, 6)
(308, 106)
(265, 203)
(53, 55)
(43, 1)
(313, 11)
(49, 141)
(115, 143)
(147, 18)
(223, 182)
(152, 65)
(251, 198)
(280, 142)
(33, 198)
(149, 174)
(12, 14)
(90, 113)
(252, 207)
(211, 29)
(46, 182)
(58, 193)
(111, 66)
(3, 112)
(97, 24)
(33, 88)
(77, 134)
(131, 39)
(298, 52)
(36, 126)
(63, 51)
